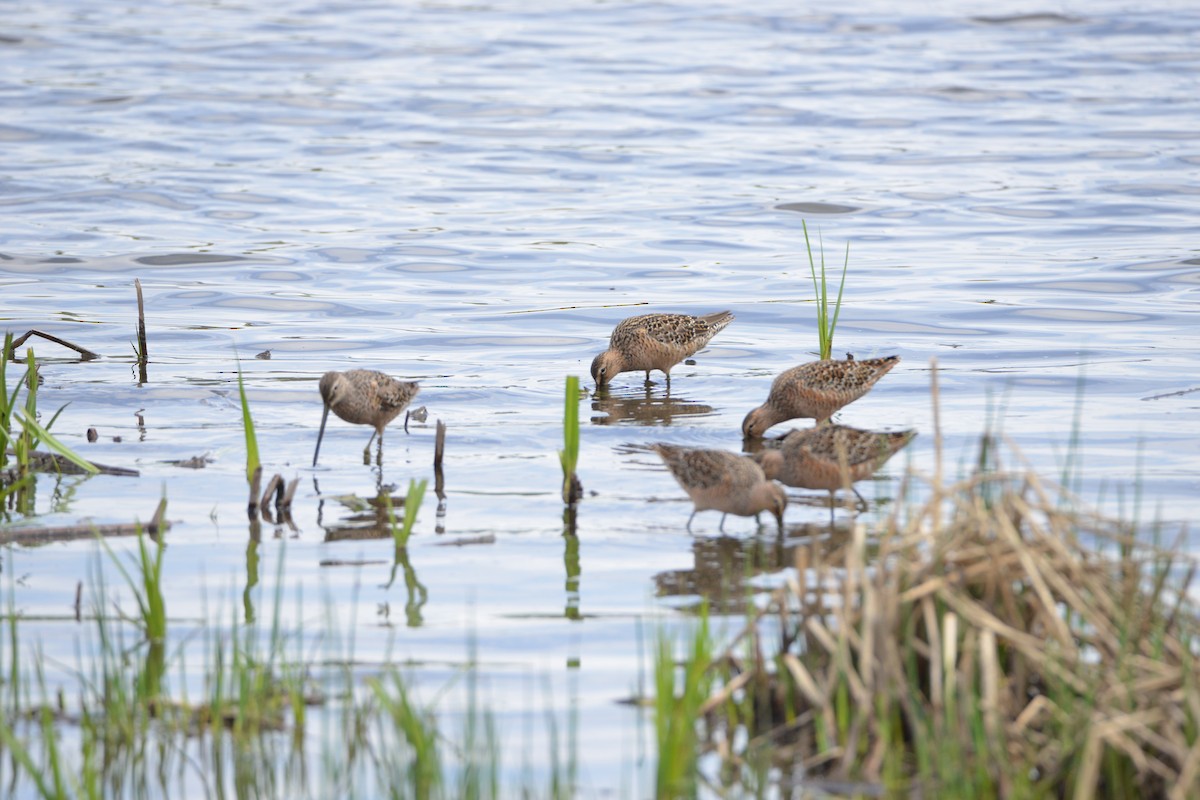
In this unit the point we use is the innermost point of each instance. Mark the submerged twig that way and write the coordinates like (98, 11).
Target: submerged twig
(84, 353)
(285, 499)
(40, 461)
(462, 541)
(274, 487)
(86, 530)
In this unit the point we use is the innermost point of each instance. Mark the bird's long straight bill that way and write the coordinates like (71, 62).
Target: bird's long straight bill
(324, 416)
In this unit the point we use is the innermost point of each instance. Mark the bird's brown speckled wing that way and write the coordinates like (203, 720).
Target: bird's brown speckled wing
(679, 331)
(697, 468)
(398, 394)
(381, 390)
(831, 381)
(828, 442)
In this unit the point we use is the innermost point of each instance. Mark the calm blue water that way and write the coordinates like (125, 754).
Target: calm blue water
(473, 194)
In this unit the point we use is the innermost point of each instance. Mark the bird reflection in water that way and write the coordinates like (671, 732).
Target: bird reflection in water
(723, 565)
(368, 517)
(643, 407)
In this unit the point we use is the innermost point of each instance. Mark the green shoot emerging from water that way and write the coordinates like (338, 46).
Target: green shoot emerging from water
(146, 584)
(825, 324)
(412, 504)
(569, 455)
(248, 425)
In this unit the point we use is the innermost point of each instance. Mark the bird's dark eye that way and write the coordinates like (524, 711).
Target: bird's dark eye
(604, 370)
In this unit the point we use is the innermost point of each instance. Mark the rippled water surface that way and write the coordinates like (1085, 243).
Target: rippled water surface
(472, 194)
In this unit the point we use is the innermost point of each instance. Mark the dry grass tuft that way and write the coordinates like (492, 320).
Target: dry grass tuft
(992, 642)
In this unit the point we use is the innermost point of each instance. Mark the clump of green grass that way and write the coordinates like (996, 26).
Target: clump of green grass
(572, 489)
(146, 585)
(422, 772)
(991, 642)
(681, 689)
(826, 324)
(268, 706)
(21, 431)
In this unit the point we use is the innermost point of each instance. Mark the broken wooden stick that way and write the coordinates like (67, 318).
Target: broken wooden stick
(84, 353)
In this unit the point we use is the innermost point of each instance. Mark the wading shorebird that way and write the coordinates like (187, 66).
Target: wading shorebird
(831, 457)
(723, 481)
(363, 397)
(816, 389)
(655, 341)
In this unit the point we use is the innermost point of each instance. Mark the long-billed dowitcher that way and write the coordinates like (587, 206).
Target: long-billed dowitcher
(655, 341)
(816, 389)
(363, 397)
(723, 481)
(830, 457)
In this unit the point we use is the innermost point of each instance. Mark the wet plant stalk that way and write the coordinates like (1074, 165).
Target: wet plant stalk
(572, 489)
(143, 354)
(252, 462)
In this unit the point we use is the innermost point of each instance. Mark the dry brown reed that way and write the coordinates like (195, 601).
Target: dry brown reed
(994, 641)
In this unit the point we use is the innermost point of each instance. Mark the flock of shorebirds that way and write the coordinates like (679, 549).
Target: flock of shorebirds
(827, 456)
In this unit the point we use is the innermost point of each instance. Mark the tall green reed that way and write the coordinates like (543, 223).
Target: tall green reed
(825, 323)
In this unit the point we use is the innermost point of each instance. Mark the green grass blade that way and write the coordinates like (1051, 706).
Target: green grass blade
(569, 455)
(826, 325)
(6, 400)
(44, 436)
(54, 418)
(412, 504)
(252, 461)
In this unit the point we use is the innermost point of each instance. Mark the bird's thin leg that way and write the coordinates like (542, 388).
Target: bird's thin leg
(721, 527)
(647, 377)
(862, 503)
(406, 413)
(689, 523)
(367, 449)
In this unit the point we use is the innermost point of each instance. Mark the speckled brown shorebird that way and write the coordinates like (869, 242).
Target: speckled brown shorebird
(723, 481)
(816, 389)
(363, 397)
(655, 341)
(831, 457)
